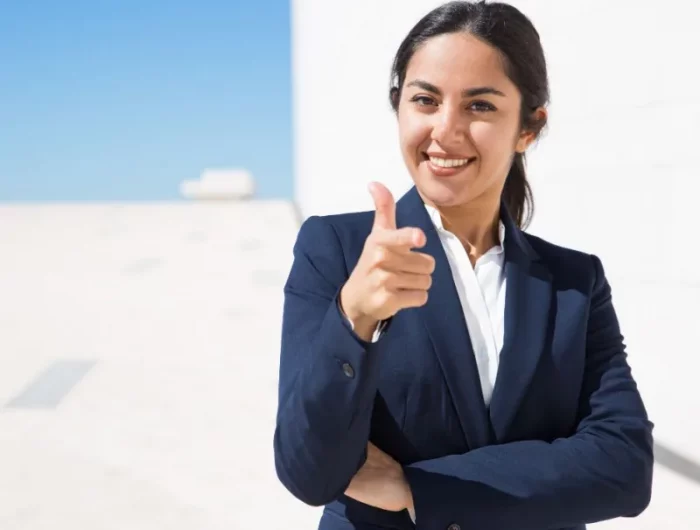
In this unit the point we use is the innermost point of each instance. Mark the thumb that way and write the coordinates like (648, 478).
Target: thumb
(384, 205)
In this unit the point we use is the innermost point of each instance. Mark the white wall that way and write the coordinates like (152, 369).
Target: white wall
(616, 174)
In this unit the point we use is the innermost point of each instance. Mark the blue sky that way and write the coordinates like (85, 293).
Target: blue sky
(124, 99)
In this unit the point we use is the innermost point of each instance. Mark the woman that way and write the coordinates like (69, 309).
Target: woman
(439, 365)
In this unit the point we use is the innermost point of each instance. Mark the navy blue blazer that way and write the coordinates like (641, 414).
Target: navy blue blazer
(565, 441)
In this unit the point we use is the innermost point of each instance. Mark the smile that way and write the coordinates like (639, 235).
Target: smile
(448, 162)
(446, 167)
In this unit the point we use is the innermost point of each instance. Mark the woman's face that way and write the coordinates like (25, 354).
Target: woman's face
(459, 109)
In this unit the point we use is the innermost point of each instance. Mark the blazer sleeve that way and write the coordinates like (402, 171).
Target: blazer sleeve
(603, 471)
(328, 376)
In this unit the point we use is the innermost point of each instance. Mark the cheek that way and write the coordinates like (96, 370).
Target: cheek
(492, 140)
(413, 132)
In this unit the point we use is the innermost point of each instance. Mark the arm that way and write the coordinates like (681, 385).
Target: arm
(602, 471)
(328, 376)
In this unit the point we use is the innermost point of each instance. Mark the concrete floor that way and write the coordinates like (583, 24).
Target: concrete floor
(138, 351)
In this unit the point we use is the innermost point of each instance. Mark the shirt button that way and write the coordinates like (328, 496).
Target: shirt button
(348, 370)
(454, 526)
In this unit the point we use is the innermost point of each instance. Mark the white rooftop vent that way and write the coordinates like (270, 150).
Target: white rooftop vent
(219, 184)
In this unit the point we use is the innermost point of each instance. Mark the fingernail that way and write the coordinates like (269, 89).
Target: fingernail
(418, 238)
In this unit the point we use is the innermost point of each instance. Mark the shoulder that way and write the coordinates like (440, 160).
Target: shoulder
(568, 264)
(347, 230)
(555, 254)
(334, 241)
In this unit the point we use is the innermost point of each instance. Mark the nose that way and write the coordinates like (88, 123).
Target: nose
(450, 126)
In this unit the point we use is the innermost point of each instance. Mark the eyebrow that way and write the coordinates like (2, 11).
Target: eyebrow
(466, 93)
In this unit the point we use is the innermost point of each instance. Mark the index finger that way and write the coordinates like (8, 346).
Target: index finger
(407, 237)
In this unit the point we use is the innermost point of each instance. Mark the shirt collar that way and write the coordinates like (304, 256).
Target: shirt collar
(436, 218)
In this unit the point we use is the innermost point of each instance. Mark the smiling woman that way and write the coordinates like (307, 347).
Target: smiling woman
(440, 367)
(472, 62)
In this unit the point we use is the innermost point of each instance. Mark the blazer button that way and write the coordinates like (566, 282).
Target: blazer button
(348, 370)
(454, 526)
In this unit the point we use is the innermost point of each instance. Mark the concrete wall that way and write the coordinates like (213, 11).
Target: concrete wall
(616, 174)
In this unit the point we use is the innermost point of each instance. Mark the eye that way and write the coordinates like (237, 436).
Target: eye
(481, 106)
(423, 101)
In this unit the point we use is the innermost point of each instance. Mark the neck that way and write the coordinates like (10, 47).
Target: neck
(475, 224)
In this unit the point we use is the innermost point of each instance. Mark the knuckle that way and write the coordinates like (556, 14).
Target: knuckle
(418, 298)
(423, 298)
(405, 237)
(370, 241)
(384, 277)
(395, 238)
(383, 298)
(381, 255)
(380, 278)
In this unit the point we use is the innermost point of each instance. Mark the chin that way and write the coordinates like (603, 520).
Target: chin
(442, 193)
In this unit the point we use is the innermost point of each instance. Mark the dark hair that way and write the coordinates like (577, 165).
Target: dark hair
(509, 31)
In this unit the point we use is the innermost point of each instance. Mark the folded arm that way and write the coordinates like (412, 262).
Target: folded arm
(602, 471)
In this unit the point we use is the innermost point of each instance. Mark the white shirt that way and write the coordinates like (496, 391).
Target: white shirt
(482, 293)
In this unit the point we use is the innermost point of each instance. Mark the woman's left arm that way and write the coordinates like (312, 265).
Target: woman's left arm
(603, 471)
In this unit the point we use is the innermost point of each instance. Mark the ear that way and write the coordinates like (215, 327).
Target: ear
(528, 135)
(394, 95)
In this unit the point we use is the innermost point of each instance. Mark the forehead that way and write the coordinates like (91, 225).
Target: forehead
(458, 60)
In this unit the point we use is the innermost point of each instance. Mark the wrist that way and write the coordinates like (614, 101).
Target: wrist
(363, 325)
(356, 316)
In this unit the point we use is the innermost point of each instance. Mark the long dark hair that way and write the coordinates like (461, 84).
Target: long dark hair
(509, 31)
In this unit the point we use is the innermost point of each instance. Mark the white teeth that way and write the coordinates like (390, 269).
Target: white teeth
(447, 162)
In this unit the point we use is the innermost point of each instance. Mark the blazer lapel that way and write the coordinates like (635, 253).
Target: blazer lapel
(443, 317)
(527, 321)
